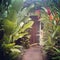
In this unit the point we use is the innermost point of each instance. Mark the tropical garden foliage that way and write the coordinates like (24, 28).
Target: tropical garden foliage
(14, 24)
(49, 12)
(51, 20)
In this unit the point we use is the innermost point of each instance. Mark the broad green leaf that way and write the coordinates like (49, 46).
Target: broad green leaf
(9, 45)
(55, 32)
(57, 50)
(18, 46)
(12, 15)
(9, 26)
(15, 50)
(19, 35)
(26, 26)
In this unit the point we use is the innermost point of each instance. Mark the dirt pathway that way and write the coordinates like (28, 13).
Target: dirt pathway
(34, 53)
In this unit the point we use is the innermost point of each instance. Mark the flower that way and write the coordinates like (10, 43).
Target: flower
(51, 17)
(48, 11)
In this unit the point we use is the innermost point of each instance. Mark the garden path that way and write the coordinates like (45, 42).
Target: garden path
(35, 52)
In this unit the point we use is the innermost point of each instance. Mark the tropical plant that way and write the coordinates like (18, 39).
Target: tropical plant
(51, 33)
(13, 26)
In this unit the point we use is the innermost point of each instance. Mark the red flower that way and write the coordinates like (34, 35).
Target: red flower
(48, 11)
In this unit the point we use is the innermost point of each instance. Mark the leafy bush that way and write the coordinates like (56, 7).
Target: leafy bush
(51, 35)
(13, 26)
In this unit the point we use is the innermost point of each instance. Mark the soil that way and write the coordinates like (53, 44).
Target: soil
(34, 53)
